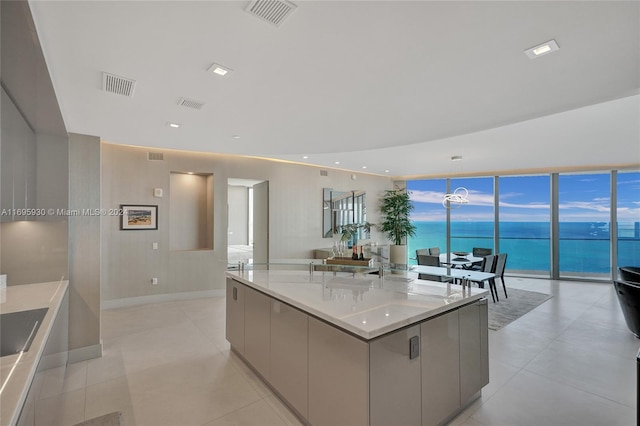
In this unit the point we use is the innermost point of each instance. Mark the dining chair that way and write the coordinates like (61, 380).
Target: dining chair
(488, 265)
(428, 260)
(501, 263)
(434, 251)
(481, 251)
(422, 252)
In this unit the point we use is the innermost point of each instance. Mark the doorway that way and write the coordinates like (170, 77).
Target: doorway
(248, 221)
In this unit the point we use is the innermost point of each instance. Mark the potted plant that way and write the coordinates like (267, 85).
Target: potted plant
(350, 230)
(395, 208)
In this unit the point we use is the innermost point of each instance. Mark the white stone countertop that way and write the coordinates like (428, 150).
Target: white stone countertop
(364, 305)
(17, 371)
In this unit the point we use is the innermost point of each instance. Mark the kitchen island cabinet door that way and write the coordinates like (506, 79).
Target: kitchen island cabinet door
(440, 361)
(474, 357)
(395, 378)
(257, 328)
(289, 361)
(338, 377)
(234, 327)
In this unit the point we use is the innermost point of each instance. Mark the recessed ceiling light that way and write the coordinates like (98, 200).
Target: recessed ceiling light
(219, 69)
(542, 49)
(174, 125)
(337, 162)
(189, 173)
(386, 171)
(236, 136)
(364, 167)
(305, 157)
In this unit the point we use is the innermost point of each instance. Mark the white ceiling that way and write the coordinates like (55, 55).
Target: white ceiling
(393, 85)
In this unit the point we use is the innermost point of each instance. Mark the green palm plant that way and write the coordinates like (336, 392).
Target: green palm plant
(350, 229)
(396, 207)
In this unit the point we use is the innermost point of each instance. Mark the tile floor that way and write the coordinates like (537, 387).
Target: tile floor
(571, 361)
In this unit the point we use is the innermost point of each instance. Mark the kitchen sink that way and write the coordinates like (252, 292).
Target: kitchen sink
(17, 330)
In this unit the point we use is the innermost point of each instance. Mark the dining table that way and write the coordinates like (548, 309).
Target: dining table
(459, 259)
(455, 273)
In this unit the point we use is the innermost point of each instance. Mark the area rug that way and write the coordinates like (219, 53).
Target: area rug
(519, 303)
(111, 419)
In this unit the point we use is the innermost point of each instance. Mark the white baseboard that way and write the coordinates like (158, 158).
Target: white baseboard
(85, 353)
(157, 298)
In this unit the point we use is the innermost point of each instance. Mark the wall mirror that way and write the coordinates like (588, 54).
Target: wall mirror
(341, 208)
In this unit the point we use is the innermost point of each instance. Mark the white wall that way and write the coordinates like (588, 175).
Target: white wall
(295, 211)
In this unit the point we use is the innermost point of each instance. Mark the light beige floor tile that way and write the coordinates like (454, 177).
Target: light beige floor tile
(281, 409)
(134, 319)
(188, 405)
(601, 373)
(63, 379)
(602, 337)
(203, 309)
(499, 374)
(255, 381)
(109, 396)
(63, 409)
(257, 414)
(515, 348)
(532, 400)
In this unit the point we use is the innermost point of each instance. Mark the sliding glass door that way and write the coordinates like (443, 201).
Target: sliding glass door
(524, 216)
(584, 219)
(628, 212)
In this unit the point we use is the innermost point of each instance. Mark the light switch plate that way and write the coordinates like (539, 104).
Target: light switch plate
(157, 192)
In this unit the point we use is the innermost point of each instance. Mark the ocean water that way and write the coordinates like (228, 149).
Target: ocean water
(584, 246)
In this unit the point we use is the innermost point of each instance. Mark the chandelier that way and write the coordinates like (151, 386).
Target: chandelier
(456, 199)
(459, 196)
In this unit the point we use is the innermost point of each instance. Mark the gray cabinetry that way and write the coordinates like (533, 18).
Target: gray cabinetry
(474, 356)
(234, 326)
(338, 376)
(395, 388)
(18, 155)
(289, 365)
(257, 307)
(440, 355)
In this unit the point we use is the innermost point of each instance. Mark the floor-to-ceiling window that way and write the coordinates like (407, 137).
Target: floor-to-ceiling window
(524, 223)
(584, 217)
(628, 211)
(472, 223)
(429, 215)
(580, 242)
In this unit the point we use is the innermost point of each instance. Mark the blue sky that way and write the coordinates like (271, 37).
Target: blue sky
(583, 198)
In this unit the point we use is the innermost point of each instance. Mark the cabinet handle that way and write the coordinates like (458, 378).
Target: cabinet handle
(414, 347)
(235, 293)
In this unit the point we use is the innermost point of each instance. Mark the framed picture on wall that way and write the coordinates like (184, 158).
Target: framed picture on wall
(138, 217)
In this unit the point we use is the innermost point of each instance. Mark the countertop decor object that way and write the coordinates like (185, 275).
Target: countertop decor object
(349, 261)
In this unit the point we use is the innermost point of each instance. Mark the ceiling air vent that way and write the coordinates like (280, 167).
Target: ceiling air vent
(189, 103)
(118, 85)
(155, 156)
(272, 11)
(324, 173)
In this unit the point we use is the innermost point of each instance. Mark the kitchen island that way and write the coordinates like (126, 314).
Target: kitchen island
(359, 349)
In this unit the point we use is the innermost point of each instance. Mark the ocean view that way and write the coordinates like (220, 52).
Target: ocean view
(584, 246)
